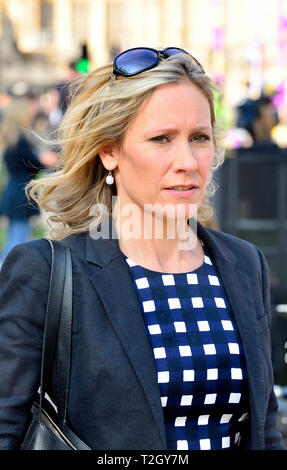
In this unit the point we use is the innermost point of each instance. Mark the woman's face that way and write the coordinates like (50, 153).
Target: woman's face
(167, 151)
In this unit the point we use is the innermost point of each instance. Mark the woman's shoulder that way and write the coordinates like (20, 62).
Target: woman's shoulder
(231, 239)
(242, 249)
(41, 247)
(32, 255)
(26, 268)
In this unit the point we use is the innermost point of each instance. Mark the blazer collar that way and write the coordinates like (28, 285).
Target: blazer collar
(107, 248)
(215, 246)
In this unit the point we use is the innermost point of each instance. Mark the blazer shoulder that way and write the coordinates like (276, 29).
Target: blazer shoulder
(244, 250)
(38, 254)
(31, 251)
(232, 240)
(27, 264)
(41, 248)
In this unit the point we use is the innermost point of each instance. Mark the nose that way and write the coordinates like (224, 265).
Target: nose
(185, 158)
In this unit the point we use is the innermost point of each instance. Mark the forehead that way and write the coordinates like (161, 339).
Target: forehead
(173, 104)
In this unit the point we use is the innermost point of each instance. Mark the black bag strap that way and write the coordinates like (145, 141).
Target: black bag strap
(64, 342)
(53, 313)
(58, 332)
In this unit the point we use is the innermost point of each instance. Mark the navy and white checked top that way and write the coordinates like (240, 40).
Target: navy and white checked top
(198, 355)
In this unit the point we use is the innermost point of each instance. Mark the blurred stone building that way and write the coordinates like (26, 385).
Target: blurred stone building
(242, 43)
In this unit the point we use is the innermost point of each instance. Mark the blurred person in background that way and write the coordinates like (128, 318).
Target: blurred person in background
(63, 86)
(51, 105)
(42, 128)
(258, 118)
(22, 162)
(4, 101)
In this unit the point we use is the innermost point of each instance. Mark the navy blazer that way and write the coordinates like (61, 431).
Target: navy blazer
(114, 400)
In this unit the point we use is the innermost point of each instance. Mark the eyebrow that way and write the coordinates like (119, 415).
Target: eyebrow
(171, 129)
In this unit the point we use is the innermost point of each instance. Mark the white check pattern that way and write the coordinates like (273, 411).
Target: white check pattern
(198, 356)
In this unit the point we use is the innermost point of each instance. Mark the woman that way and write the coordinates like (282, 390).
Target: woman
(171, 328)
(23, 162)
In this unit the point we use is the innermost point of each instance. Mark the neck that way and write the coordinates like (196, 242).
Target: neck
(158, 243)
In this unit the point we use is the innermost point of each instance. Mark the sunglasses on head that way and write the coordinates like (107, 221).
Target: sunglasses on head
(139, 59)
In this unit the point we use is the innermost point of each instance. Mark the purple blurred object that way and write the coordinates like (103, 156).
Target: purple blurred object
(218, 38)
(279, 98)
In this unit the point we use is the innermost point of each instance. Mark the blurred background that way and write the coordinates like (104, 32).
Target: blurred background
(242, 44)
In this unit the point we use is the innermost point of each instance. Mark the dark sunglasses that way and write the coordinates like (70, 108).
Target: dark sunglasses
(137, 60)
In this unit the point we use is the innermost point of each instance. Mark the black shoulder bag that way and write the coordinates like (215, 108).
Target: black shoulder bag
(48, 429)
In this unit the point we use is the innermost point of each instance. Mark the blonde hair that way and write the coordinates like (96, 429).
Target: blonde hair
(98, 116)
(14, 122)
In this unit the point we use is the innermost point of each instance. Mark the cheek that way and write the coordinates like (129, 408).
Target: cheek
(128, 162)
(206, 161)
(136, 170)
(143, 165)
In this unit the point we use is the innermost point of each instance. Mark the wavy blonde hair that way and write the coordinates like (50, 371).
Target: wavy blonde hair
(98, 116)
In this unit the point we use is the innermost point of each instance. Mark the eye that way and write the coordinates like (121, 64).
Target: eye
(201, 138)
(160, 139)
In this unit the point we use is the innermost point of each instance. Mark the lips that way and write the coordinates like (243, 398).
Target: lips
(182, 187)
(183, 191)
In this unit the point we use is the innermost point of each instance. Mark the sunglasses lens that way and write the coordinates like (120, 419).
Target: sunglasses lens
(173, 50)
(135, 61)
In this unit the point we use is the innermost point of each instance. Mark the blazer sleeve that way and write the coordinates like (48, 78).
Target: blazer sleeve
(273, 438)
(24, 281)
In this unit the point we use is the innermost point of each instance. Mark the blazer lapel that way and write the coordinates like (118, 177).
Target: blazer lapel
(114, 286)
(238, 290)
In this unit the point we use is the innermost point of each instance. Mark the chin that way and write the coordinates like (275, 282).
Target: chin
(180, 211)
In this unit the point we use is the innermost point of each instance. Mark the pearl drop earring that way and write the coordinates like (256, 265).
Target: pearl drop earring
(110, 178)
